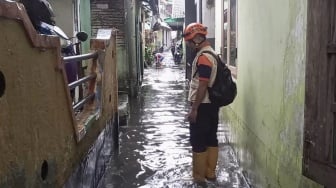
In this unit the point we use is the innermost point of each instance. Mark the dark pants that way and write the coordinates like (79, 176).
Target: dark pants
(203, 133)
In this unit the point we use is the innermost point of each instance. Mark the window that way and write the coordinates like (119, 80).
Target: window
(233, 33)
(229, 50)
(224, 29)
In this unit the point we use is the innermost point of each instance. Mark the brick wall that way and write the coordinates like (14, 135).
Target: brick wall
(109, 14)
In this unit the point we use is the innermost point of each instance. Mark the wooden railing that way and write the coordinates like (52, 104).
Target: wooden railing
(77, 104)
(39, 121)
(90, 91)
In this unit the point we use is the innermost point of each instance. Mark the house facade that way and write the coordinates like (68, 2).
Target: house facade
(281, 54)
(72, 17)
(125, 16)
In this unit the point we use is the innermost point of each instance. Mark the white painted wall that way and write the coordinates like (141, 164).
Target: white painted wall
(64, 15)
(218, 25)
(197, 3)
(208, 16)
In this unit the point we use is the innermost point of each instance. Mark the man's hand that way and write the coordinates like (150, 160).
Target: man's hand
(201, 90)
(192, 115)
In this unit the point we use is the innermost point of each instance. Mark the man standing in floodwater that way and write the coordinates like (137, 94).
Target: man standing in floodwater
(203, 115)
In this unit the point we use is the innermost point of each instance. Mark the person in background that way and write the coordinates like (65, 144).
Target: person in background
(203, 115)
(158, 59)
(172, 48)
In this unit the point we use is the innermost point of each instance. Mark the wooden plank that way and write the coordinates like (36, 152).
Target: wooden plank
(333, 107)
(320, 93)
(316, 80)
(330, 132)
(322, 173)
(331, 48)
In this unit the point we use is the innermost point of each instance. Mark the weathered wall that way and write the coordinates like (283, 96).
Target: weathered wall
(132, 8)
(267, 115)
(111, 14)
(38, 141)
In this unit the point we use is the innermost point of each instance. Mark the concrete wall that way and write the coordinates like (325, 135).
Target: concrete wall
(131, 45)
(267, 115)
(39, 131)
(208, 17)
(190, 16)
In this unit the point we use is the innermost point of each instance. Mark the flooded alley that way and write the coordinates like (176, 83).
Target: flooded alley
(83, 106)
(154, 147)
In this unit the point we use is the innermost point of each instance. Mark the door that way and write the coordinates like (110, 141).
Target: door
(319, 161)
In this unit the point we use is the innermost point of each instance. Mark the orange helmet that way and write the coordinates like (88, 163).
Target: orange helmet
(194, 28)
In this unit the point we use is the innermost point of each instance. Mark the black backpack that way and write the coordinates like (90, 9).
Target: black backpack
(224, 89)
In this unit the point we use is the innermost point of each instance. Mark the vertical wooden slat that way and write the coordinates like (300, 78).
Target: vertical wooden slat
(329, 95)
(312, 83)
(316, 87)
(334, 141)
(333, 108)
(320, 93)
(331, 82)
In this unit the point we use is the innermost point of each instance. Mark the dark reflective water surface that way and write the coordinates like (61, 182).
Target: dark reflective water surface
(154, 148)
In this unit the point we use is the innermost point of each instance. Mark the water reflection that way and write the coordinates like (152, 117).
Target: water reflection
(154, 147)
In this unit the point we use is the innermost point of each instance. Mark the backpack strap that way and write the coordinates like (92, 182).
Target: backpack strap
(211, 53)
(195, 73)
(216, 56)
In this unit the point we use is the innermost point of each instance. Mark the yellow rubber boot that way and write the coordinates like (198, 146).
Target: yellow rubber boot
(199, 162)
(212, 158)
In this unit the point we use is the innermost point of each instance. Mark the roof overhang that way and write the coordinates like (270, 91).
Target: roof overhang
(154, 6)
(175, 23)
(161, 25)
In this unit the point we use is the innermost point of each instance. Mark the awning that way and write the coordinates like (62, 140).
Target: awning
(160, 25)
(165, 25)
(172, 20)
(175, 23)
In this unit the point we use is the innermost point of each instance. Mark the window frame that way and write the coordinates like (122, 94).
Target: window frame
(227, 47)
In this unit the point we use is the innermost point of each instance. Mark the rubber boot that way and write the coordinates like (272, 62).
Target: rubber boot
(199, 163)
(212, 157)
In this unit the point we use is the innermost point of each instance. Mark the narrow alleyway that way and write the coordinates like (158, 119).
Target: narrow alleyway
(154, 147)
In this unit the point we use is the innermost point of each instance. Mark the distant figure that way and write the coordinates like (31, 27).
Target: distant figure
(158, 59)
(172, 49)
(161, 49)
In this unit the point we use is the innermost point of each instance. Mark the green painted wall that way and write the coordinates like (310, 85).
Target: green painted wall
(133, 46)
(85, 17)
(63, 15)
(267, 117)
(123, 68)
